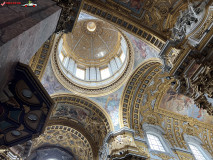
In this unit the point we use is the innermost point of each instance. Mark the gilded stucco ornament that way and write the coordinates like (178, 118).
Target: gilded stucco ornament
(188, 20)
(67, 138)
(123, 144)
(164, 156)
(69, 14)
(174, 125)
(113, 82)
(184, 155)
(92, 117)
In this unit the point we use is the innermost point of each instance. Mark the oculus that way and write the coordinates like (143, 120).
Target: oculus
(94, 60)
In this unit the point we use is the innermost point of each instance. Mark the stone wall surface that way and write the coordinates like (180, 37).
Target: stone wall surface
(23, 30)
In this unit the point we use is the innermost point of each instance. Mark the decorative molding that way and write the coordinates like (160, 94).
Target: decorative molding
(128, 96)
(140, 104)
(69, 14)
(39, 61)
(163, 156)
(184, 155)
(117, 19)
(66, 137)
(93, 91)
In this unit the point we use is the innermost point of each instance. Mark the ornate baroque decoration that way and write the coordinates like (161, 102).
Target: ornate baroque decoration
(122, 145)
(85, 113)
(93, 91)
(114, 12)
(7, 154)
(69, 14)
(105, 39)
(192, 65)
(134, 89)
(39, 61)
(189, 19)
(163, 156)
(184, 156)
(68, 138)
(140, 103)
(24, 108)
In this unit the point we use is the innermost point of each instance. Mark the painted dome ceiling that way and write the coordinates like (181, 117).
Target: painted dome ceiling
(92, 42)
(95, 59)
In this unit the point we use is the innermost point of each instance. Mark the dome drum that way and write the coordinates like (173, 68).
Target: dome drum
(95, 56)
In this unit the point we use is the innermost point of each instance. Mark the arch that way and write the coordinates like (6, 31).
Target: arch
(159, 132)
(134, 89)
(67, 138)
(84, 102)
(196, 142)
(84, 115)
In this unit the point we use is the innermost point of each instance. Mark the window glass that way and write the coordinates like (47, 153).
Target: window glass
(61, 56)
(155, 143)
(122, 57)
(80, 73)
(196, 152)
(105, 73)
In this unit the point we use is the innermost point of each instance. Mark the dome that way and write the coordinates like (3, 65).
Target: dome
(92, 43)
(94, 59)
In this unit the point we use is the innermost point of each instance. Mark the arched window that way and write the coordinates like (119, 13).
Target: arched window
(80, 73)
(155, 143)
(195, 144)
(196, 152)
(105, 73)
(122, 57)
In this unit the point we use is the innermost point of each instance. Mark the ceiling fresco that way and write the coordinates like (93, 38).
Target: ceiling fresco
(134, 5)
(183, 105)
(86, 117)
(51, 83)
(110, 103)
(142, 50)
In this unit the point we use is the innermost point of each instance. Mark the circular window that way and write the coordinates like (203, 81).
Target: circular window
(94, 59)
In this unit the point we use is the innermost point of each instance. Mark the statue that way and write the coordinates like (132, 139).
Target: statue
(187, 20)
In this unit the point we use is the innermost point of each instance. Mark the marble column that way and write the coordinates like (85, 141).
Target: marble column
(23, 30)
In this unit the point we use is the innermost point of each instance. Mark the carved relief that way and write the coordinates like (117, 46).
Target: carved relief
(65, 137)
(164, 156)
(188, 20)
(124, 145)
(175, 125)
(88, 114)
(184, 156)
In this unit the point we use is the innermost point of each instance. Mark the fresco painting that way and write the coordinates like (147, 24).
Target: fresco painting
(50, 82)
(210, 100)
(183, 105)
(111, 104)
(69, 111)
(142, 50)
(134, 5)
